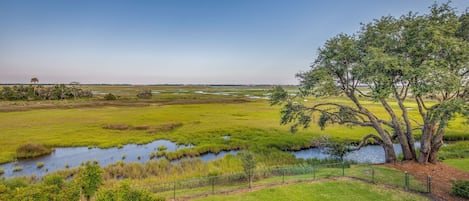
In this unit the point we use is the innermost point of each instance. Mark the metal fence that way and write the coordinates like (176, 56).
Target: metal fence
(276, 176)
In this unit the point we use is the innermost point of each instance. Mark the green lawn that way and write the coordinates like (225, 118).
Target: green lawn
(329, 190)
(460, 163)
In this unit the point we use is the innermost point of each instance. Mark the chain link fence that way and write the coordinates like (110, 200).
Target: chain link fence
(277, 176)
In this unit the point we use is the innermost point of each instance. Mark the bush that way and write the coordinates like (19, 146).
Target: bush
(40, 165)
(125, 192)
(461, 188)
(2, 171)
(32, 150)
(145, 94)
(110, 96)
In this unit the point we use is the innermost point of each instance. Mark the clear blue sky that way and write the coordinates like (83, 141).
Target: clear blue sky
(175, 41)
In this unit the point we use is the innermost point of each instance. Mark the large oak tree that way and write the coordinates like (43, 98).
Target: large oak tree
(415, 59)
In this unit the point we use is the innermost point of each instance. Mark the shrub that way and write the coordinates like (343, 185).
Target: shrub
(54, 179)
(461, 188)
(40, 165)
(2, 171)
(110, 96)
(145, 94)
(125, 192)
(32, 150)
(90, 178)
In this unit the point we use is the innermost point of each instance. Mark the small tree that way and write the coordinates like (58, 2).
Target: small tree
(338, 149)
(249, 165)
(90, 179)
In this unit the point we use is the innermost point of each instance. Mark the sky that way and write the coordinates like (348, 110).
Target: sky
(177, 41)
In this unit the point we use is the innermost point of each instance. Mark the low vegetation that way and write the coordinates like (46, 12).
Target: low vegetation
(40, 165)
(40, 92)
(32, 150)
(461, 188)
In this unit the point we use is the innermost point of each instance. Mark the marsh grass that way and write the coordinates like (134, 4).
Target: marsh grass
(17, 168)
(32, 150)
(249, 123)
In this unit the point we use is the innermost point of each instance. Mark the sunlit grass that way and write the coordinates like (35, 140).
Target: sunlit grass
(329, 190)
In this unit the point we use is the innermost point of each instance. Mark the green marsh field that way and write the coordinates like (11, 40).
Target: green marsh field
(198, 115)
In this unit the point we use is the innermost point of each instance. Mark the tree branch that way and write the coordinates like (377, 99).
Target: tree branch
(363, 142)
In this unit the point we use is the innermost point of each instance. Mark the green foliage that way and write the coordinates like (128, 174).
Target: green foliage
(90, 178)
(56, 92)
(125, 192)
(54, 179)
(338, 149)
(110, 96)
(461, 188)
(249, 164)
(2, 171)
(455, 150)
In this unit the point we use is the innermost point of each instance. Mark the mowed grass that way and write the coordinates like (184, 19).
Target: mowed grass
(328, 190)
(462, 163)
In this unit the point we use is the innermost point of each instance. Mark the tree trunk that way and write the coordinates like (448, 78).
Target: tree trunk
(406, 149)
(428, 131)
(389, 154)
(409, 132)
(437, 141)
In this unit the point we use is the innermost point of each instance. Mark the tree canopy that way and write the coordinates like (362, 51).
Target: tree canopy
(413, 59)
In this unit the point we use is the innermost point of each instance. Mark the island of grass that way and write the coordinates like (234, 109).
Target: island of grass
(32, 150)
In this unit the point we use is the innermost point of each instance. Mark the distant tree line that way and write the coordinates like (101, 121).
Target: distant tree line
(39, 92)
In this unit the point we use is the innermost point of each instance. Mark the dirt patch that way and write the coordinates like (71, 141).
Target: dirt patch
(165, 127)
(116, 126)
(442, 177)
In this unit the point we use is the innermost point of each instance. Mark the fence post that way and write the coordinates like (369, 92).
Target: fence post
(429, 184)
(283, 176)
(372, 174)
(406, 181)
(174, 190)
(213, 184)
(343, 169)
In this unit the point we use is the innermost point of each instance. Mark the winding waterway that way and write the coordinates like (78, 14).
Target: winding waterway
(71, 157)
